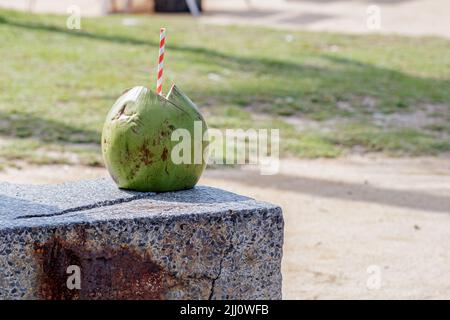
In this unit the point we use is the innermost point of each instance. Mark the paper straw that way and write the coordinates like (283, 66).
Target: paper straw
(162, 42)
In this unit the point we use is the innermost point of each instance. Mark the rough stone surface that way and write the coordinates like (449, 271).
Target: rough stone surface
(203, 243)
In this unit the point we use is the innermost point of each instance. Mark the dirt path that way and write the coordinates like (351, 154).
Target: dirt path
(343, 218)
(409, 17)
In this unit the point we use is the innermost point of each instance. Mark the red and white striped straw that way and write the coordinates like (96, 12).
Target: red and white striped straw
(162, 42)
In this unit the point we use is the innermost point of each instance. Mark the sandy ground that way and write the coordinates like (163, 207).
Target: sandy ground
(356, 227)
(410, 17)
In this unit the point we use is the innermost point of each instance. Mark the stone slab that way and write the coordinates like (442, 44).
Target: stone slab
(202, 243)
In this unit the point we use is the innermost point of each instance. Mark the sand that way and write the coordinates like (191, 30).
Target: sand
(355, 227)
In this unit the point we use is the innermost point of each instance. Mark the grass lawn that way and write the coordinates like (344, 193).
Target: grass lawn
(328, 93)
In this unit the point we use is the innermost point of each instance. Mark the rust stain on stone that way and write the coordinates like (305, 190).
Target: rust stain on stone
(119, 273)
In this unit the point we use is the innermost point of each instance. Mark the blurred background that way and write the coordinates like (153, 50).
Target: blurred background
(360, 91)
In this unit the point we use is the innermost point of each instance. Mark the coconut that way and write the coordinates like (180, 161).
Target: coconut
(137, 144)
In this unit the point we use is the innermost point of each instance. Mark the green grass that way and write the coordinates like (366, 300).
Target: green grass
(400, 140)
(58, 84)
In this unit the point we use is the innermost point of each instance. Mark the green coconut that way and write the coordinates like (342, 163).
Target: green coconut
(137, 144)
